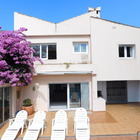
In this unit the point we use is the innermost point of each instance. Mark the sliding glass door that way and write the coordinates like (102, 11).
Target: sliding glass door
(5, 103)
(58, 96)
(69, 95)
(75, 95)
(79, 95)
(85, 95)
(1, 105)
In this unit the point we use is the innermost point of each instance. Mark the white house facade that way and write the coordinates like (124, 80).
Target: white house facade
(88, 62)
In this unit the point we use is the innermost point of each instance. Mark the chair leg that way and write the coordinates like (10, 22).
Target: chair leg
(25, 125)
(22, 130)
(42, 130)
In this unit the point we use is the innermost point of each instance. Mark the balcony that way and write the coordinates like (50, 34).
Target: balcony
(65, 68)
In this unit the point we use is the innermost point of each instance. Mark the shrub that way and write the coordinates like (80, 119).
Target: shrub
(16, 61)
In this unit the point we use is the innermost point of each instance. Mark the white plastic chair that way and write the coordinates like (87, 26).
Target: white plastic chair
(15, 124)
(36, 125)
(82, 134)
(81, 124)
(59, 126)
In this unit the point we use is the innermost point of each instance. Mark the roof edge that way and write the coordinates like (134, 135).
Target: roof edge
(34, 17)
(115, 22)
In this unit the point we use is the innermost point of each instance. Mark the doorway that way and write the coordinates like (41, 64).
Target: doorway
(58, 96)
(116, 92)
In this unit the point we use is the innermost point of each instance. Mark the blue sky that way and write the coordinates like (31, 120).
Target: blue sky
(123, 11)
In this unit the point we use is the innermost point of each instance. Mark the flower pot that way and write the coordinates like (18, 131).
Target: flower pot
(29, 109)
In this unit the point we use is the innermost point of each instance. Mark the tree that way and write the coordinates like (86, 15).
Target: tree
(16, 62)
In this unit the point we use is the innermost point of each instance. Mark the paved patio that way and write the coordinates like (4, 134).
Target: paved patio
(118, 122)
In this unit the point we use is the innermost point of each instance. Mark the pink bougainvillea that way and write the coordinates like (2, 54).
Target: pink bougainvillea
(16, 62)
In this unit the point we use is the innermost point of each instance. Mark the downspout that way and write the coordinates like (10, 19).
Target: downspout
(55, 28)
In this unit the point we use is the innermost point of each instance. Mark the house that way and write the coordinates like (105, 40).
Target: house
(88, 62)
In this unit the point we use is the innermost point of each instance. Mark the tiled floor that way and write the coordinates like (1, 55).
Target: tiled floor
(118, 122)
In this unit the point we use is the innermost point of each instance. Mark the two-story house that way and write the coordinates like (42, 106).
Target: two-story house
(88, 62)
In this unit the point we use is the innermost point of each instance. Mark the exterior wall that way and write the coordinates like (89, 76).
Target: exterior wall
(37, 26)
(76, 25)
(101, 85)
(102, 59)
(105, 38)
(133, 90)
(40, 97)
(65, 52)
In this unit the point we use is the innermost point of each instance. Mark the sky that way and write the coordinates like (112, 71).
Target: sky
(122, 11)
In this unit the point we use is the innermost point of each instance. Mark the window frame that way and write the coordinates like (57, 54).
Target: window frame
(125, 46)
(40, 50)
(80, 52)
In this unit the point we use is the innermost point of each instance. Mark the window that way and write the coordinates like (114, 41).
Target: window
(126, 51)
(80, 47)
(44, 51)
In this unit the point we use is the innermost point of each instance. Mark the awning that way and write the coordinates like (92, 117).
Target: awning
(63, 72)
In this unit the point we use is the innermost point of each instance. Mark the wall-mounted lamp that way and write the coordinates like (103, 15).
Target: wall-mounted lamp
(35, 87)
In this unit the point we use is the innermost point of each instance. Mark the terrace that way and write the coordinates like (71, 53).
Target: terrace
(119, 122)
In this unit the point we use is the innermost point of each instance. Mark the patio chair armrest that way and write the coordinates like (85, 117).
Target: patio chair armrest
(11, 121)
(30, 121)
(45, 123)
(43, 126)
(53, 121)
(74, 119)
(66, 122)
(88, 119)
(25, 123)
(25, 120)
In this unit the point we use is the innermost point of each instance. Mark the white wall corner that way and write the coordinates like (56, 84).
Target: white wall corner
(99, 104)
(13, 101)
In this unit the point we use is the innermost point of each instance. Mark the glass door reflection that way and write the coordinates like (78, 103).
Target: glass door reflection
(5, 103)
(75, 95)
(1, 105)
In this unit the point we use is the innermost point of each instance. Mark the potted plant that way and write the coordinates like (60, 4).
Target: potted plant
(28, 106)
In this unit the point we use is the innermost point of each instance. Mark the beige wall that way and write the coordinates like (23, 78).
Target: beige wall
(37, 26)
(34, 25)
(65, 52)
(102, 59)
(106, 37)
(102, 36)
(40, 97)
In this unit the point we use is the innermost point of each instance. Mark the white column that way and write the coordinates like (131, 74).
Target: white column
(94, 86)
(13, 101)
(99, 104)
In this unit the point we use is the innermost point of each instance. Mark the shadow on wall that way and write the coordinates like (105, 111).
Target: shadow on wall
(38, 96)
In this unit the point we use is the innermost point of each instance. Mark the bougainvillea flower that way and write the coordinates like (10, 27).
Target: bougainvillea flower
(16, 61)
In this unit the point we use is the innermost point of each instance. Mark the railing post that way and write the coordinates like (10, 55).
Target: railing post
(137, 135)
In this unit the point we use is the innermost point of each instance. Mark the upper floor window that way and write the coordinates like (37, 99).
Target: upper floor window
(126, 51)
(80, 47)
(44, 51)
